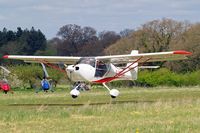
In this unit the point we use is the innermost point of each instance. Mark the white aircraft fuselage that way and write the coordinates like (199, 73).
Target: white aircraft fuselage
(92, 70)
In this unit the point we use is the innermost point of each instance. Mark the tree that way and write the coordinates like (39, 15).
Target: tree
(19, 32)
(160, 33)
(51, 47)
(35, 41)
(3, 37)
(26, 42)
(32, 74)
(107, 38)
(189, 41)
(74, 38)
(158, 36)
(126, 32)
(153, 36)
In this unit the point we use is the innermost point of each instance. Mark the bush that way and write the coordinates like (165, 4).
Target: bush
(162, 77)
(166, 77)
(25, 76)
(30, 75)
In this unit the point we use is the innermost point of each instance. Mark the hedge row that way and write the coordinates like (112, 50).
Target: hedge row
(168, 78)
(162, 77)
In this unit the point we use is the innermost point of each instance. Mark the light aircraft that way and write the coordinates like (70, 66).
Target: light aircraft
(102, 69)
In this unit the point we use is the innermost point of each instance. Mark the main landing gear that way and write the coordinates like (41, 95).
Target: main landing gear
(113, 92)
(81, 86)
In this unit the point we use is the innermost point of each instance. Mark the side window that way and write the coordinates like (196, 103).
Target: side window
(101, 69)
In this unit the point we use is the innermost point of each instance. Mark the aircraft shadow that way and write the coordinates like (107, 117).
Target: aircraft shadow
(82, 104)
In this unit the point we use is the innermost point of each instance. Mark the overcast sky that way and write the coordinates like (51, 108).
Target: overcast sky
(50, 15)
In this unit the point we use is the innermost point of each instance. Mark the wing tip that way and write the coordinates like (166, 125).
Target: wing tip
(5, 56)
(182, 52)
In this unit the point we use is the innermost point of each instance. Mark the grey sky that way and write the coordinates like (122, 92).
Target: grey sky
(50, 15)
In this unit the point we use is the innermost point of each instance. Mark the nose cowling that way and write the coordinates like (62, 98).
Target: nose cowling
(70, 68)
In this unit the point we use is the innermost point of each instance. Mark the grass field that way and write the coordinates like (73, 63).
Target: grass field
(156, 110)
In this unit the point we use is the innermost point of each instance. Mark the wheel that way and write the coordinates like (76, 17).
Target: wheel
(113, 96)
(74, 96)
(74, 93)
(114, 93)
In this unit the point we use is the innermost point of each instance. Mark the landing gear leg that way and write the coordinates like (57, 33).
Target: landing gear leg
(79, 86)
(113, 92)
(75, 91)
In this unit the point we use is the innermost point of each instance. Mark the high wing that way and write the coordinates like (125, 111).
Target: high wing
(44, 59)
(145, 57)
(115, 59)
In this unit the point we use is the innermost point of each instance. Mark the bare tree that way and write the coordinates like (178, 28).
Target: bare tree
(153, 36)
(126, 32)
(189, 41)
(74, 38)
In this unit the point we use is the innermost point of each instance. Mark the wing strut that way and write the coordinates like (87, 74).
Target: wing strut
(52, 66)
(122, 72)
(128, 68)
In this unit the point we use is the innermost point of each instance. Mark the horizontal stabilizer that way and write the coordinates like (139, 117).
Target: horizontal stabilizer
(148, 67)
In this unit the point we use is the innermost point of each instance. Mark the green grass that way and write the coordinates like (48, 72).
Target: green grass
(156, 110)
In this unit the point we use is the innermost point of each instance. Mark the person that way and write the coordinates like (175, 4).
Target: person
(45, 84)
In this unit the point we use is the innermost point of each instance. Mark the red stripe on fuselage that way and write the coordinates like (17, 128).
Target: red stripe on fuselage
(105, 80)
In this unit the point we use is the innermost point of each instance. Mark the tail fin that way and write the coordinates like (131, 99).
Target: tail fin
(134, 72)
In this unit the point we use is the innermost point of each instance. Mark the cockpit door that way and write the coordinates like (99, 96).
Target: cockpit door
(101, 69)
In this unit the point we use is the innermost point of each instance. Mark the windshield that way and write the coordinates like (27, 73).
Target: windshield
(89, 61)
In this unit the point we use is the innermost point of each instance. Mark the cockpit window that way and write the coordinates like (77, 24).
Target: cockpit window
(89, 61)
(101, 69)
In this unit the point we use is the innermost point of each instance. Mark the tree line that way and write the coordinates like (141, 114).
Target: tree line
(74, 40)
(164, 35)
(24, 42)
